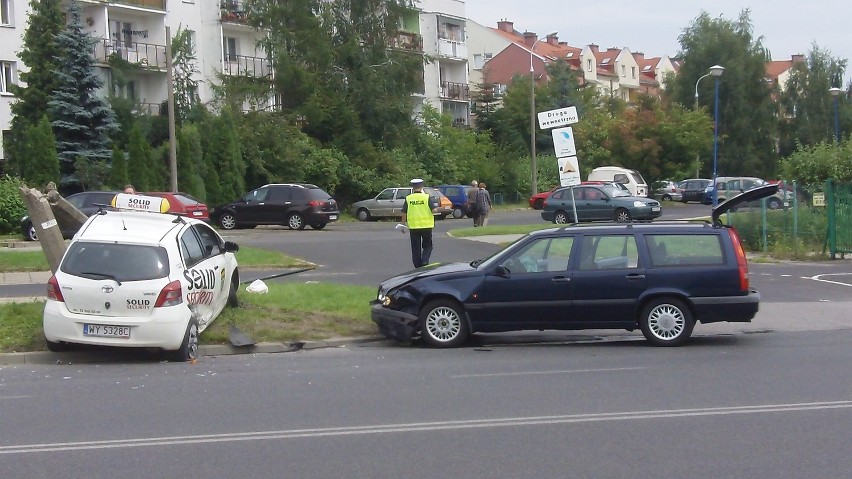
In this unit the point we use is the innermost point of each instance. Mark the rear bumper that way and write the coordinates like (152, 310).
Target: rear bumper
(393, 324)
(322, 217)
(733, 309)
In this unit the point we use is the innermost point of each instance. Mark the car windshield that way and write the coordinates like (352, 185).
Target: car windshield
(614, 191)
(123, 262)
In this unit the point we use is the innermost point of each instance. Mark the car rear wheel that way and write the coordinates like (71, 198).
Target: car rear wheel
(667, 197)
(666, 322)
(363, 214)
(228, 221)
(622, 215)
(538, 204)
(56, 347)
(189, 347)
(773, 203)
(31, 234)
(458, 213)
(443, 325)
(318, 226)
(561, 218)
(232, 293)
(296, 222)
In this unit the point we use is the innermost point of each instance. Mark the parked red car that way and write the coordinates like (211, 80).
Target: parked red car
(184, 204)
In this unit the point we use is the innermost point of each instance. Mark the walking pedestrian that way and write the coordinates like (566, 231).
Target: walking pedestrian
(483, 205)
(471, 201)
(417, 215)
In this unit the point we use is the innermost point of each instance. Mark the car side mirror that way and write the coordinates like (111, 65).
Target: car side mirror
(231, 247)
(502, 271)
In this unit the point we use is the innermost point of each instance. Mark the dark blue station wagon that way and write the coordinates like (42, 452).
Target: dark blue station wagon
(661, 278)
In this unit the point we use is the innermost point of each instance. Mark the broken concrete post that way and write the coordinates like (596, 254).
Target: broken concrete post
(47, 230)
(66, 214)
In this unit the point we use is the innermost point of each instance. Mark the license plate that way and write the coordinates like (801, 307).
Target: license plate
(655, 208)
(106, 331)
(196, 213)
(332, 217)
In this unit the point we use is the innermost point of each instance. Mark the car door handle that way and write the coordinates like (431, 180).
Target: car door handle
(560, 279)
(635, 276)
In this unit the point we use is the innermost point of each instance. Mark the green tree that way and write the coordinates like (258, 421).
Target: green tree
(190, 161)
(746, 123)
(39, 55)
(226, 158)
(118, 176)
(82, 121)
(139, 164)
(43, 166)
(812, 165)
(183, 63)
(806, 106)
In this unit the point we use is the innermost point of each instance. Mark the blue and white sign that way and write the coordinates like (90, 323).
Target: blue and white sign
(569, 171)
(559, 117)
(563, 142)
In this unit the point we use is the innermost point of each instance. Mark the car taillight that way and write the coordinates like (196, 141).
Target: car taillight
(53, 291)
(742, 263)
(171, 295)
(316, 203)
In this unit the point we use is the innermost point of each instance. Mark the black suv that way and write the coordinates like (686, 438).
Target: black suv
(693, 190)
(295, 205)
(88, 202)
(659, 277)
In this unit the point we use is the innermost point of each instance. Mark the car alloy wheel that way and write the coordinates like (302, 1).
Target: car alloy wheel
(561, 218)
(295, 222)
(31, 234)
(666, 322)
(773, 203)
(363, 215)
(442, 324)
(189, 348)
(622, 215)
(228, 221)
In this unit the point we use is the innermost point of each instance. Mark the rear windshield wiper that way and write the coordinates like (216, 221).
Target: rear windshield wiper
(102, 275)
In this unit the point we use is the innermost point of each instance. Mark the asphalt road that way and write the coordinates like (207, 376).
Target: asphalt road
(771, 405)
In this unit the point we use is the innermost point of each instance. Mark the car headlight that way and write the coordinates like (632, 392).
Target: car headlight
(639, 204)
(383, 298)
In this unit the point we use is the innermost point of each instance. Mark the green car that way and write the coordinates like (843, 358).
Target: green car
(597, 203)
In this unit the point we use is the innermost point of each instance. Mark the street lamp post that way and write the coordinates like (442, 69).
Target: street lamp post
(534, 183)
(716, 71)
(835, 92)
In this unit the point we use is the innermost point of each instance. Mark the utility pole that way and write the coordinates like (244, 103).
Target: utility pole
(171, 104)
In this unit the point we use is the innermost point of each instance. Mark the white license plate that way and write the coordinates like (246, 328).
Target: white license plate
(106, 331)
(196, 213)
(332, 217)
(655, 208)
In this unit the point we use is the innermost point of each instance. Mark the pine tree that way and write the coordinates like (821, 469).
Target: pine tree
(189, 162)
(43, 164)
(138, 160)
(118, 170)
(39, 53)
(82, 121)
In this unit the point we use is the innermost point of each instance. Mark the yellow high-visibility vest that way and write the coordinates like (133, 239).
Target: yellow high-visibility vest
(419, 214)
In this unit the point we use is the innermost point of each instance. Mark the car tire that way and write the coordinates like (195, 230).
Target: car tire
(189, 347)
(773, 203)
(667, 198)
(233, 301)
(318, 226)
(538, 204)
(622, 215)
(228, 221)
(561, 218)
(363, 214)
(295, 221)
(458, 213)
(30, 234)
(443, 324)
(441, 217)
(666, 322)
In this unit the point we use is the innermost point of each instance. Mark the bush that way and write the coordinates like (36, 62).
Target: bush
(808, 236)
(11, 205)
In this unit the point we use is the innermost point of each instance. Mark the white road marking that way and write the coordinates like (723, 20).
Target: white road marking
(15, 397)
(819, 277)
(530, 373)
(424, 426)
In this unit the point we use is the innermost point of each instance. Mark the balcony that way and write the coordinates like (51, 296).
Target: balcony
(455, 91)
(144, 55)
(240, 65)
(149, 109)
(407, 41)
(153, 4)
(455, 50)
(233, 11)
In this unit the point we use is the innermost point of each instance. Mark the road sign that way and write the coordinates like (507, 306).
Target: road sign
(560, 117)
(569, 171)
(563, 142)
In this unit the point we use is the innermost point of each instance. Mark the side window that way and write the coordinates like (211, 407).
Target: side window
(594, 194)
(620, 178)
(210, 242)
(543, 255)
(190, 248)
(281, 194)
(386, 194)
(673, 250)
(78, 201)
(748, 184)
(402, 193)
(257, 195)
(609, 252)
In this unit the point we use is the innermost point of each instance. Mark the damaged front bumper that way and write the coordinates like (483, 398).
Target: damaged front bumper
(394, 324)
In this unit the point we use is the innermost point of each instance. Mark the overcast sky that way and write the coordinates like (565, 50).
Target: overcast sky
(787, 26)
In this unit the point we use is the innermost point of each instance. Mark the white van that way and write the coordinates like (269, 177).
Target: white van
(632, 179)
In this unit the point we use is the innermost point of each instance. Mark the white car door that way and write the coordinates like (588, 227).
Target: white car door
(203, 277)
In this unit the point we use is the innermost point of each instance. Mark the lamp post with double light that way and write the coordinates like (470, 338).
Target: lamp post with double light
(835, 92)
(534, 183)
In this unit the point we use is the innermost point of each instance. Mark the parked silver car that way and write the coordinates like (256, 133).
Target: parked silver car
(388, 204)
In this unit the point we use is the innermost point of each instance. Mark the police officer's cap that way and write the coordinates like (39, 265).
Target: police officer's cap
(417, 182)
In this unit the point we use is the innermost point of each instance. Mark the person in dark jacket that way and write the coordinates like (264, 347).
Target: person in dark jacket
(483, 206)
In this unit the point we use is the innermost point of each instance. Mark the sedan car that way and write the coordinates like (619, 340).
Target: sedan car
(596, 203)
(667, 190)
(88, 202)
(184, 204)
(661, 278)
(139, 278)
(388, 204)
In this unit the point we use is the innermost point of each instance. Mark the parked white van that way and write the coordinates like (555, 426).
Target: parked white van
(632, 179)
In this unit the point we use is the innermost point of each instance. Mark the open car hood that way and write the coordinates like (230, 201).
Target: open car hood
(750, 195)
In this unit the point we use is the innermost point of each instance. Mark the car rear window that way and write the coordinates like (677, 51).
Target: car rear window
(187, 199)
(121, 262)
(317, 194)
(692, 249)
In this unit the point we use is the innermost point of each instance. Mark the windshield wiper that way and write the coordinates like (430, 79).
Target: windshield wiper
(102, 275)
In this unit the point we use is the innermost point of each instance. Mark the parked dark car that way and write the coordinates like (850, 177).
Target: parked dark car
(693, 189)
(294, 205)
(596, 203)
(458, 196)
(88, 202)
(184, 204)
(659, 277)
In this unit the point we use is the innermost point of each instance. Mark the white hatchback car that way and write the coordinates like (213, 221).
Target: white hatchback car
(140, 279)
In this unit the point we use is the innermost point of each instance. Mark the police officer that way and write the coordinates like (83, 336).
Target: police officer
(417, 214)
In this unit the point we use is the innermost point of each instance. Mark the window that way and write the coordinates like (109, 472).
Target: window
(589, 64)
(693, 249)
(623, 71)
(543, 255)
(633, 71)
(450, 31)
(190, 248)
(609, 252)
(230, 45)
(122, 262)
(257, 195)
(7, 76)
(402, 193)
(386, 194)
(5, 14)
(209, 241)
